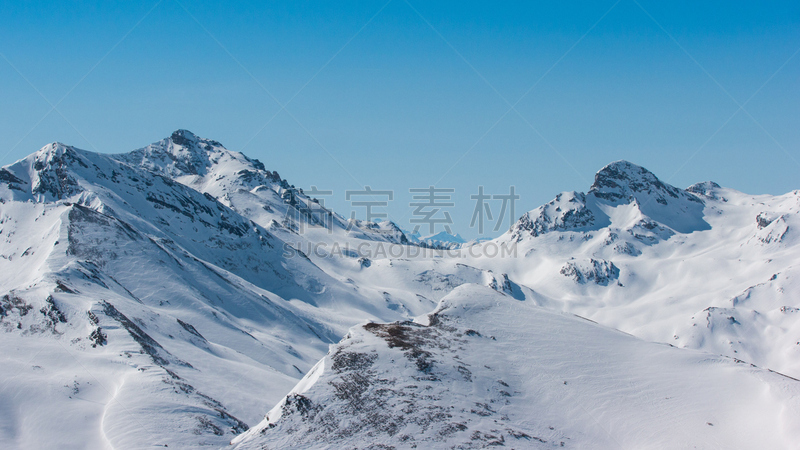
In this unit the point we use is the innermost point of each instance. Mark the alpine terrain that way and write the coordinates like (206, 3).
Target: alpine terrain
(183, 295)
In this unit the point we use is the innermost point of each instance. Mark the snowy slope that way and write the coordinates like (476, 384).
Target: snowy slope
(487, 370)
(135, 297)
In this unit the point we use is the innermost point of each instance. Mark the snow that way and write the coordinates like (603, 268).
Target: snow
(175, 294)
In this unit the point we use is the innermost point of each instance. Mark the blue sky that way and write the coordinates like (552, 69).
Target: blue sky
(403, 95)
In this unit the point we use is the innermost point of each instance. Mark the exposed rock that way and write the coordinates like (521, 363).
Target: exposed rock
(597, 271)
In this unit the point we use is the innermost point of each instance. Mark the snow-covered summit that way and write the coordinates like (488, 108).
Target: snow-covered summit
(186, 154)
(46, 175)
(622, 196)
(623, 182)
(703, 188)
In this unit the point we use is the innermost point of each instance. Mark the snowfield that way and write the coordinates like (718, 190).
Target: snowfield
(175, 294)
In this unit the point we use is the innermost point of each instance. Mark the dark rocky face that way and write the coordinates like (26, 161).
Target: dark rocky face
(621, 180)
(183, 137)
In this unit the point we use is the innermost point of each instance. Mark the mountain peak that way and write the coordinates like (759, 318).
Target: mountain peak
(623, 181)
(182, 153)
(704, 188)
(620, 179)
(184, 137)
(191, 141)
(619, 183)
(53, 150)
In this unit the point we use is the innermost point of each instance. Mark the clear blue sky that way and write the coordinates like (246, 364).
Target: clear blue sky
(404, 95)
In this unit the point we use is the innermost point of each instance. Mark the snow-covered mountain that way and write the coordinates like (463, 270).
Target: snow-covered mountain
(706, 267)
(130, 296)
(486, 370)
(174, 294)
